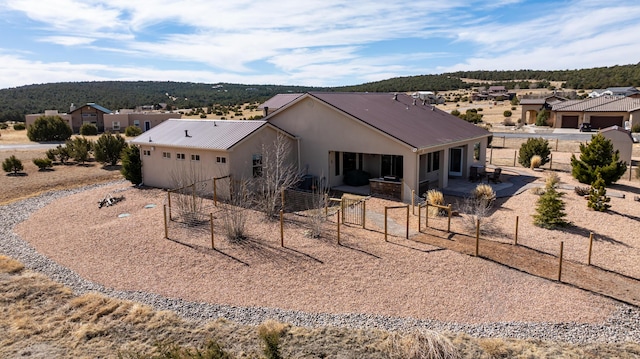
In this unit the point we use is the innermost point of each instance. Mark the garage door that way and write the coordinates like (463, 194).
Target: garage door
(605, 121)
(570, 121)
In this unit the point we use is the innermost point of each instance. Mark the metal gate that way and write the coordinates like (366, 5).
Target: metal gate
(353, 210)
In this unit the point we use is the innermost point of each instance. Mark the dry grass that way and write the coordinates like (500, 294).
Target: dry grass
(43, 319)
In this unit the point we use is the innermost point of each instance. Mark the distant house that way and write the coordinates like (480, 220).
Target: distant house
(497, 93)
(600, 112)
(105, 119)
(615, 91)
(532, 106)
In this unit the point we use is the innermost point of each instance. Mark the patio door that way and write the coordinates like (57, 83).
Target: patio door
(455, 162)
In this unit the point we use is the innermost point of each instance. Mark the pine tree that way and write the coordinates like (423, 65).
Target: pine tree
(108, 147)
(550, 209)
(12, 164)
(598, 200)
(598, 156)
(131, 164)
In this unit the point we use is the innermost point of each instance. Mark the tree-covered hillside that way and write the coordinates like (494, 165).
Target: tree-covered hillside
(16, 102)
(114, 95)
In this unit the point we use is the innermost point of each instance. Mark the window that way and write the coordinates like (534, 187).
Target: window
(337, 160)
(391, 166)
(433, 161)
(349, 161)
(166, 154)
(221, 159)
(195, 157)
(116, 126)
(180, 156)
(476, 151)
(136, 123)
(257, 165)
(146, 153)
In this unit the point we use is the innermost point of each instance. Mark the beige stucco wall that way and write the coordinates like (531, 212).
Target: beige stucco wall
(128, 119)
(161, 172)
(323, 131)
(30, 119)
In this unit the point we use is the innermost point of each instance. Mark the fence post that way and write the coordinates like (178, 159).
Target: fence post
(413, 204)
(449, 219)
(477, 237)
(385, 224)
(338, 221)
(407, 236)
(169, 198)
(556, 145)
(211, 221)
(166, 230)
(364, 211)
(419, 218)
(342, 209)
(215, 192)
(551, 161)
(326, 205)
(515, 153)
(560, 262)
(590, 248)
(281, 229)
(426, 215)
(515, 241)
(630, 170)
(282, 197)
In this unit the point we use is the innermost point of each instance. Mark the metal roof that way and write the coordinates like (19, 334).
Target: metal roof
(97, 107)
(279, 100)
(417, 125)
(206, 134)
(599, 104)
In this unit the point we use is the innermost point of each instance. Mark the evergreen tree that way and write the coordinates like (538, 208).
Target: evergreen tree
(598, 200)
(12, 164)
(597, 157)
(49, 128)
(550, 209)
(131, 164)
(534, 146)
(108, 147)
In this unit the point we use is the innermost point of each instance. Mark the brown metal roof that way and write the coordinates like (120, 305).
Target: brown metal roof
(419, 126)
(624, 104)
(600, 104)
(279, 100)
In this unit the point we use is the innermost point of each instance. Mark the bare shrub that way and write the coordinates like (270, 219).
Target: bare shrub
(552, 180)
(582, 190)
(484, 193)
(279, 172)
(421, 344)
(474, 209)
(188, 183)
(11, 266)
(316, 215)
(234, 212)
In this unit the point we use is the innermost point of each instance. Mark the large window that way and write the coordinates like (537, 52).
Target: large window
(349, 161)
(257, 165)
(391, 166)
(433, 161)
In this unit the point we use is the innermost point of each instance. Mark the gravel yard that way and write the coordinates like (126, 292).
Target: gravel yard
(364, 282)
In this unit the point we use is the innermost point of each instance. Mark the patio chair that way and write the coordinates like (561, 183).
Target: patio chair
(495, 176)
(476, 173)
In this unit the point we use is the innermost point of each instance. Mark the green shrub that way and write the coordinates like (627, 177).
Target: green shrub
(12, 164)
(131, 164)
(3, 126)
(79, 149)
(543, 116)
(19, 126)
(598, 156)
(108, 148)
(455, 113)
(507, 113)
(550, 210)
(42, 163)
(635, 128)
(132, 131)
(513, 108)
(534, 146)
(49, 128)
(88, 129)
(598, 200)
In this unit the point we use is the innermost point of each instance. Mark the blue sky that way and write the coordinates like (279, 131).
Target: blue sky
(315, 43)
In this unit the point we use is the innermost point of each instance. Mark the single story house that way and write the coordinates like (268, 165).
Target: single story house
(621, 140)
(181, 151)
(391, 137)
(532, 106)
(615, 91)
(398, 143)
(600, 112)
